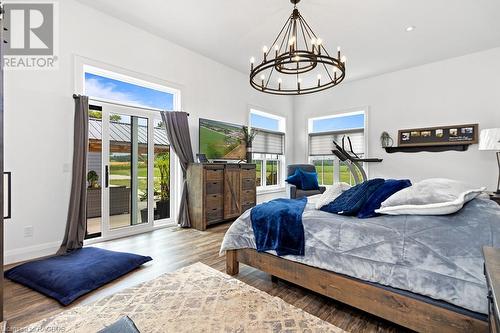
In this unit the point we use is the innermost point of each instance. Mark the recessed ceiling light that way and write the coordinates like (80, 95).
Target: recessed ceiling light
(410, 28)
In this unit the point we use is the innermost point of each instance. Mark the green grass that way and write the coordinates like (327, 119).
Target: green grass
(325, 174)
(215, 144)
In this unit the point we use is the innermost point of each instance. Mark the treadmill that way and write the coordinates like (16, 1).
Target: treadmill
(352, 160)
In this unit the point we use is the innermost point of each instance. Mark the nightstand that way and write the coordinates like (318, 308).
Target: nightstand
(492, 273)
(495, 197)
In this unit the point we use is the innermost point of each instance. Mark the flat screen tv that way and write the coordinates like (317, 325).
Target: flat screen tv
(221, 141)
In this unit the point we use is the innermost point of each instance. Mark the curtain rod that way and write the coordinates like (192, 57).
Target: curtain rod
(126, 105)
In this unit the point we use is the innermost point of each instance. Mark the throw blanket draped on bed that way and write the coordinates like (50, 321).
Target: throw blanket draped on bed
(277, 225)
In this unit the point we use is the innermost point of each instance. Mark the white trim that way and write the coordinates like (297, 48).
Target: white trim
(270, 189)
(31, 252)
(134, 232)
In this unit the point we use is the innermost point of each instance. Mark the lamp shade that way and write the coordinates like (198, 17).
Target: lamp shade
(490, 139)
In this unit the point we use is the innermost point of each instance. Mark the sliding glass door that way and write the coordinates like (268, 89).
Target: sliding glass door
(128, 171)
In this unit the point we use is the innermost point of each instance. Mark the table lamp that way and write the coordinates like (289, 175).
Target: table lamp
(490, 140)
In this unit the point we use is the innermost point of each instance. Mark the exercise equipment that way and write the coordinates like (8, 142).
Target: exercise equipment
(352, 160)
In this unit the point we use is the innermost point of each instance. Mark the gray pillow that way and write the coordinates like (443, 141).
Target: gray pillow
(437, 196)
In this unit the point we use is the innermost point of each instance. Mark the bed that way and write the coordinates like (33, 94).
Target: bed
(421, 272)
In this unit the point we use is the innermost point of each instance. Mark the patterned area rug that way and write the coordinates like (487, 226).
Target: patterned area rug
(196, 298)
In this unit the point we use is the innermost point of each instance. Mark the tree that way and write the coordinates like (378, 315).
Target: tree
(162, 163)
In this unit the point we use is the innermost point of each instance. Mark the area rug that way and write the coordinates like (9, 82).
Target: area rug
(196, 298)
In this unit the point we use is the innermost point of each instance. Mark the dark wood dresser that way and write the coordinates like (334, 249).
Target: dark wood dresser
(219, 192)
(492, 272)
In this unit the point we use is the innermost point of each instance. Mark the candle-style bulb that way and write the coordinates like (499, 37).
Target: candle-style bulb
(262, 77)
(319, 41)
(252, 60)
(265, 49)
(343, 59)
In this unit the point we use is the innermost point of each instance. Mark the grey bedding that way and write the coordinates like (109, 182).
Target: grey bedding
(435, 256)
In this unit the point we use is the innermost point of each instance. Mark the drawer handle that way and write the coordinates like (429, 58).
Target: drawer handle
(214, 183)
(214, 208)
(214, 196)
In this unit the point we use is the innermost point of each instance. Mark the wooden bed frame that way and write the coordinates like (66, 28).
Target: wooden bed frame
(402, 310)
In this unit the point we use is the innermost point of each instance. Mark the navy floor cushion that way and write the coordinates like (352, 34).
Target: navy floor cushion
(67, 277)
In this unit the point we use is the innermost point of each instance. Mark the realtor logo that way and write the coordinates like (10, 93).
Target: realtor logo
(31, 35)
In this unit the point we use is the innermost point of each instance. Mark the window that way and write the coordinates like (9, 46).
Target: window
(339, 128)
(128, 143)
(268, 149)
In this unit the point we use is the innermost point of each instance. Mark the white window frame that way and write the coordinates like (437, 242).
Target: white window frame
(264, 188)
(85, 65)
(343, 113)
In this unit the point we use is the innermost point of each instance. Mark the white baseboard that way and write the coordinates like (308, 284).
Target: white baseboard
(30, 252)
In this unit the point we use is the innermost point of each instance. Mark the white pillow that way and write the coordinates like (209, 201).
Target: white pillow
(331, 193)
(437, 196)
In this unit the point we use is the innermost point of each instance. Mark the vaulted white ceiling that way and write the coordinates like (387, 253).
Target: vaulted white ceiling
(372, 33)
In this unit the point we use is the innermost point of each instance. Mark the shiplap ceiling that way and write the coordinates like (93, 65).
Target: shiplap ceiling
(372, 33)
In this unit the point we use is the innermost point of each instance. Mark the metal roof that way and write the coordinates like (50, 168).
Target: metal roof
(120, 132)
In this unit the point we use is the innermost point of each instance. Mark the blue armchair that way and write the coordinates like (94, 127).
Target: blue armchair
(293, 191)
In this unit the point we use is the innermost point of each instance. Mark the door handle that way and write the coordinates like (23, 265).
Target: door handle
(106, 176)
(7, 178)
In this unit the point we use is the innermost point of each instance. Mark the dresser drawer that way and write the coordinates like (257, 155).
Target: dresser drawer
(248, 183)
(214, 187)
(248, 173)
(214, 215)
(247, 206)
(214, 201)
(214, 174)
(248, 195)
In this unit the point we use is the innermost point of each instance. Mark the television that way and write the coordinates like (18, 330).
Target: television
(221, 141)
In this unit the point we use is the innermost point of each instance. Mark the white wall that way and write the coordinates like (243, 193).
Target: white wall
(456, 91)
(39, 114)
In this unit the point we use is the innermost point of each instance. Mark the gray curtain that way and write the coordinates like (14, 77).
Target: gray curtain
(77, 213)
(178, 135)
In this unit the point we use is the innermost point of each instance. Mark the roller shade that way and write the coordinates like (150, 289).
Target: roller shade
(322, 143)
(267, 142)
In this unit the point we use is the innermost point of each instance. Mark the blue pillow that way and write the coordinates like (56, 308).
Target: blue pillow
(351, 201)
(67, 277)
(389, 187)
(295, 179)
(309, 180)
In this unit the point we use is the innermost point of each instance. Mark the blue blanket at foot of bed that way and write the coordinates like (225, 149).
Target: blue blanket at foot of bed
(277, 225)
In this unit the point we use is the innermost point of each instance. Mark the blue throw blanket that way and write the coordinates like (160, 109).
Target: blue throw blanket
(277, 225)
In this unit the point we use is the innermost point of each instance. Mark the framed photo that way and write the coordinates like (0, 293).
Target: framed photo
(7, 188)
(439, 136)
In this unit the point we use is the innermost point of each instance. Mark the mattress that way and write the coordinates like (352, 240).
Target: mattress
(434, 256)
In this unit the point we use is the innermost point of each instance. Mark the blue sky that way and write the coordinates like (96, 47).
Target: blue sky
(106, 88)
(339, 123)
(264, 122)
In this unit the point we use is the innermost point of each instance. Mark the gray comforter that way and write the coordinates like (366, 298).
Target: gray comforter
(435, 256)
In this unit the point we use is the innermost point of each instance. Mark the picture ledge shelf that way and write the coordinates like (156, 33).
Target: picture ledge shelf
(433, 149)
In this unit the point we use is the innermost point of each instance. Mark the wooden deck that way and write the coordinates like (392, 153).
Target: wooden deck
(173, 248)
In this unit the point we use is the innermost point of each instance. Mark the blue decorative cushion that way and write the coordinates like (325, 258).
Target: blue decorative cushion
(351, 201)
(295, 179)
(382, 193)
(309, 180)
(67, 277)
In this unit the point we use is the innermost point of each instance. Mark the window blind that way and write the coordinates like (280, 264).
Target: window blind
(322, 143)
(267, 142)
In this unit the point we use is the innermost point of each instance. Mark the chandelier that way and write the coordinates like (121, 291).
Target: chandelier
(298, 55)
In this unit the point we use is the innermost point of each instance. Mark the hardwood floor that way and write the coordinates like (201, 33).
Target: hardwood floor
(173, 248)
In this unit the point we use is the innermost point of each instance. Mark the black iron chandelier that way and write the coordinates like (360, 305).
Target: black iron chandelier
(298, 55)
